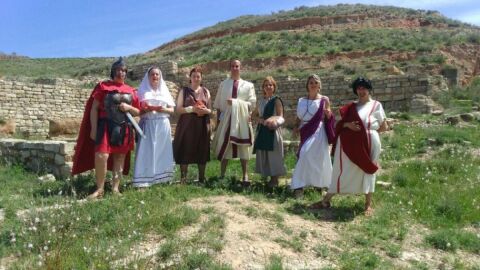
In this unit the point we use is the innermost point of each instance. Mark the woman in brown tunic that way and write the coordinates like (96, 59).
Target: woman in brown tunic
(192, 136)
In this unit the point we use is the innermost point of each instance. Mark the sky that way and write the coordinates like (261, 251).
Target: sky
(100, 28)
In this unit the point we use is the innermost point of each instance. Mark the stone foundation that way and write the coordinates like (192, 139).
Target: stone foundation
(36, 110)
(41, 157)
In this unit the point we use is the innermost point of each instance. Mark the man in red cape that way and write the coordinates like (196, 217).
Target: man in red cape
(95, 147)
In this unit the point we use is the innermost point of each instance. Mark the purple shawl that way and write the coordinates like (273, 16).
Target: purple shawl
(311, 126)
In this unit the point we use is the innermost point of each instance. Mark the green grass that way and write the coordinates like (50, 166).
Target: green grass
(275, 263)
(438, 193)
(56, 67)
(451, 240)
(460, 100)
(361, 260)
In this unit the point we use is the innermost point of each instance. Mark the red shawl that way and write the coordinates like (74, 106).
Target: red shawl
(84, 157)
(355, 144)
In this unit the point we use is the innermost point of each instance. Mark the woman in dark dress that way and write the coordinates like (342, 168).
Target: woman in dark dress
(192, 136)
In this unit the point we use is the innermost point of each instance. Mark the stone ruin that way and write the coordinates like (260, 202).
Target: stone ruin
(53, 109)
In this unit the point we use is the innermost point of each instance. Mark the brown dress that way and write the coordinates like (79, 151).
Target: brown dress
(191, 144)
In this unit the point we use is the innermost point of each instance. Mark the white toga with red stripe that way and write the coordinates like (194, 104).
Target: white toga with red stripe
(347, 177)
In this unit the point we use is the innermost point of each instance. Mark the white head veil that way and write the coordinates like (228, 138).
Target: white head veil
(161, 94)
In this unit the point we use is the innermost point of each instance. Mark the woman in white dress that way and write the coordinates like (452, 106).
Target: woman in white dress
(358, 147)
(314, 119)
(154, 156)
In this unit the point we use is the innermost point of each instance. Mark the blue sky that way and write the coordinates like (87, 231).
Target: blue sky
(88, 28)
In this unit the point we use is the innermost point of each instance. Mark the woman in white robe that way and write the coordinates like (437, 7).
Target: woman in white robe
(154, 155)
(354, 169)
(314, 166)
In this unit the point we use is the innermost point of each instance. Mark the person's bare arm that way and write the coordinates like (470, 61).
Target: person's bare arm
(94, 119)
(383, 127)
(124, 107)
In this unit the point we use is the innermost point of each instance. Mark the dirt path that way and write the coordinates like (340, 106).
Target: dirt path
(254, 231)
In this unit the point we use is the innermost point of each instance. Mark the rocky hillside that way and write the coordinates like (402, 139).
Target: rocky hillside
(333, 40)
(328, 40)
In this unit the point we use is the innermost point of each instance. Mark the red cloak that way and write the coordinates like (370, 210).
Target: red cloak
(83, 159)
(355, 143)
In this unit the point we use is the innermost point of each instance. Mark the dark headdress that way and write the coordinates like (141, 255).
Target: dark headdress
(361, 81)
(117, 64)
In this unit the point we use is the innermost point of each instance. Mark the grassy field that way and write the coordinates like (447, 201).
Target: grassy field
(427, 215)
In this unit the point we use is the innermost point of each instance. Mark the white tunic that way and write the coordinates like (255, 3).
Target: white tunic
(314, 165)
(245, 93)
(154, 155)
(347, 177)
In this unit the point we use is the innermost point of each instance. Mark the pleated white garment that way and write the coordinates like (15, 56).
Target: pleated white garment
(314, 165)
(154, 156)
(347, 177)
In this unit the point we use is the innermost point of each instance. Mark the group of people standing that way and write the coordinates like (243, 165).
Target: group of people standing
(107, 134)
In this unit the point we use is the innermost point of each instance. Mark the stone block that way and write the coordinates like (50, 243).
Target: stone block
(52, 147)
(452, 120)
(467, 117)
(59, 159)
(48, 178)
(65, 171)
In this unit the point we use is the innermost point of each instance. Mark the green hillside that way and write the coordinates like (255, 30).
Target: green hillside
(55, 67)
(319, 11)
(318, 43)
(364, 30)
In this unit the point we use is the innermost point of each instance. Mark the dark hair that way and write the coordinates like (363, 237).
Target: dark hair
(316, 78)
(361, 81)
(117, 64)
(195, 69)
(152, 68)
(272, 80)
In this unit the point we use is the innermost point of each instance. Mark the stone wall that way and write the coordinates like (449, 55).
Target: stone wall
(397, 93)
(30, 106)
(35, 108)
(53, 157)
